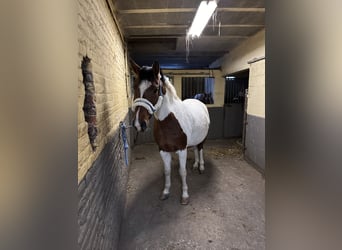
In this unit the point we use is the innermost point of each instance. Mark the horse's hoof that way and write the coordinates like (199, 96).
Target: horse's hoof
(185, 201)
(164, 196)
(201, 171)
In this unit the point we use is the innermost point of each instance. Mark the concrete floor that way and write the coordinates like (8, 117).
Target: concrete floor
(226, 209)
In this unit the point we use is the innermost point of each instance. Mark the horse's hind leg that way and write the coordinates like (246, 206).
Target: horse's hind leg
(195, 166)
(199, 157)
(182, 154)
(166, 156)
(201, 168)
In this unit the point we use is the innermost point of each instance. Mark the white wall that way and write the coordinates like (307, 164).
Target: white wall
(256, 89)
(236, 60)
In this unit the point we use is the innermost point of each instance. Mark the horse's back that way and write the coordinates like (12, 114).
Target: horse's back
(199, 121)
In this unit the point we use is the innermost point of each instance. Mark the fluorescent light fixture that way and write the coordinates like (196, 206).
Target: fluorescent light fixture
(204, 12)
(230, 77)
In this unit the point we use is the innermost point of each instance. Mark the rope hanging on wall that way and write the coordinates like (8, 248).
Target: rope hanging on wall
(123, 128)
(89, 107)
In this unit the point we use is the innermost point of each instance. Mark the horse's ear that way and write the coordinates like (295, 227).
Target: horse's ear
(156, 68)
(136, 68)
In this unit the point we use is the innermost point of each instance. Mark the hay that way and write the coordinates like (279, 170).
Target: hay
(226, 151)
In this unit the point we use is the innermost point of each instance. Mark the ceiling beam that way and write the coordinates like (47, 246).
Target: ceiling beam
(179, 10)
(202, 54)
(177, 36)
(241, 10)
(168, 26)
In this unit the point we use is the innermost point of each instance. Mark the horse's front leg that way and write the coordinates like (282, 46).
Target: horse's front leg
(182, 154)
(166, 156)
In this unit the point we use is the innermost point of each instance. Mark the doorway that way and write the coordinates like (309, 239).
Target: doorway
(236, 85)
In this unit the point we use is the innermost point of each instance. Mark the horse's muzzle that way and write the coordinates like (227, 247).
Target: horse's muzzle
(139, 126)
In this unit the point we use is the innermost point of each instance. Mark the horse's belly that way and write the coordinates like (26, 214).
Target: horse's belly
(197, 126)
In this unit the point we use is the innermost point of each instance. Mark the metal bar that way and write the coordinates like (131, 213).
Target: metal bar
(167, 26)
(241, 9)
(185, 10)
(256, 60)
(188, 73)
(244, 123)
(153, 11)
(177, 36)
(238, 25)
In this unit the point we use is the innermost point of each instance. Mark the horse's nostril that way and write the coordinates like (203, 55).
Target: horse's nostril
(133, 123)
(143, 125)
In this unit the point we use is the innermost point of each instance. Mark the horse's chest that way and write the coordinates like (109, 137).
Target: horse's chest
(169, 135)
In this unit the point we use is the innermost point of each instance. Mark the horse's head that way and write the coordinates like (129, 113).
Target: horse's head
(147, 92)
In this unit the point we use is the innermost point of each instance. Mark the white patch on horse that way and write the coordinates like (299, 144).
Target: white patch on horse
(182, 154)
(192, 115)
(166, 156)
(143, 86)
(136, 121)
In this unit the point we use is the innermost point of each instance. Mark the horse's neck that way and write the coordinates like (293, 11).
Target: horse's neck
(170, 104)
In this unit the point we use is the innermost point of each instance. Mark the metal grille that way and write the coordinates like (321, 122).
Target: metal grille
(201, 88)
(235, 90)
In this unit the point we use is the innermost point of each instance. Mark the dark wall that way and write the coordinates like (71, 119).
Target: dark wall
(255, 140)
(233, 120)
(216, 122)
(102, 196)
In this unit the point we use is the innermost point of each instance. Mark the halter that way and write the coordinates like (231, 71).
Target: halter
(143, 102)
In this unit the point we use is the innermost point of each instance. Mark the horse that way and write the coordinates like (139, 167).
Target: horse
(178, 124)
(206, 98)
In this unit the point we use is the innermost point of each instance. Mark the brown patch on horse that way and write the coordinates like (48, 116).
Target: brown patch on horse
(169, 135)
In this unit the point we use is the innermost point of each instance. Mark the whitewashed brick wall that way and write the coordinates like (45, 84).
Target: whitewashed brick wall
(99, 38)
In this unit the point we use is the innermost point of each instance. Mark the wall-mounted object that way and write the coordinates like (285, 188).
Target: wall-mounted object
(89, 107)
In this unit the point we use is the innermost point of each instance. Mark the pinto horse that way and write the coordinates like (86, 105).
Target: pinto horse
(177, 125)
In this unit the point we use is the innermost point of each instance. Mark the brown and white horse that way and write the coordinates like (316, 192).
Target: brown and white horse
(177, 125)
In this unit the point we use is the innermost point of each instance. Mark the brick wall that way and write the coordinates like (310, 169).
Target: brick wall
(102, 175)
(100, 40)
(102, 194)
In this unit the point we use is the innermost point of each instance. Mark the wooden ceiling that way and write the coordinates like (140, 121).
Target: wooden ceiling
(156, 30)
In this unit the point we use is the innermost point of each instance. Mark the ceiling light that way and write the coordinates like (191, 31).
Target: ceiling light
(204, 12)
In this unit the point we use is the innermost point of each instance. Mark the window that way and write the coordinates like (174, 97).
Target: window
(235, 88)
(201, 88)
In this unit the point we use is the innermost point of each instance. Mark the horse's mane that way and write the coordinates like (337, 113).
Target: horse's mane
(170, 89)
